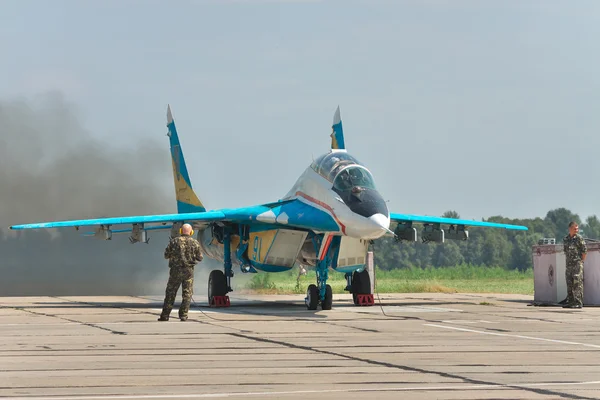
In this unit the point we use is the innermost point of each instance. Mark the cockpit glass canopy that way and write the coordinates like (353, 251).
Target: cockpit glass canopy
(329, 166)
(354, 176)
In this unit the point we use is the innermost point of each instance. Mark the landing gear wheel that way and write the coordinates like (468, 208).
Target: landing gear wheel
(361, 284)
(312, 297)
(328, 302)
(217, 285)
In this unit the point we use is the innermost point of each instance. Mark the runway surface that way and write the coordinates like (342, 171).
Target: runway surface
(412, 346)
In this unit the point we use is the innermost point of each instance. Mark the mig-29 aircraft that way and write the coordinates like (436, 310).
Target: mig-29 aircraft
(325, 221)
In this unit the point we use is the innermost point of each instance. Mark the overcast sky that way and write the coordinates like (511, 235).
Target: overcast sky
(483, 107)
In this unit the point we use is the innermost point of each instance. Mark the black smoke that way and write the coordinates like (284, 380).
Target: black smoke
(53, 168)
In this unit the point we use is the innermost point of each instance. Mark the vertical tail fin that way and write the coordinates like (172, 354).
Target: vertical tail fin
(337, 134)
(187, 201)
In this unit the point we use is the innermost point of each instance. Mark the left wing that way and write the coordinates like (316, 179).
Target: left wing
(433, 232)
(400, 218)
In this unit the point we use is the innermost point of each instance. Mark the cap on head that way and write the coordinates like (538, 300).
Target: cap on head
(186, 229)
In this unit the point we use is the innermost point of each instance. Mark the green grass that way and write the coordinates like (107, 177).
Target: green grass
(459, 279)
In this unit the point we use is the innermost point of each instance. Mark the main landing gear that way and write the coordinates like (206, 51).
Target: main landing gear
(219, 282)
(217, 287)
(359, 284)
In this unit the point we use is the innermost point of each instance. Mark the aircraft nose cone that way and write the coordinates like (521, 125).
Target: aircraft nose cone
(365, 202)
(382, 221)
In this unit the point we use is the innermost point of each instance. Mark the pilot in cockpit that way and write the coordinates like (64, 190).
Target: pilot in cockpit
(344, 180)
(356, 175)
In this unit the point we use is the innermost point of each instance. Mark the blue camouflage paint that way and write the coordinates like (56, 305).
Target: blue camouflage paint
(439, 220)
(180, 169)
(300, 215)
(306, 216)
(185, 208)
(177, 153)
(338, 137)
(337, 134)
(208, 216)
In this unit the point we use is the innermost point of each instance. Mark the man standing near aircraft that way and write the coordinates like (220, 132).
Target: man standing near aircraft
(183, 253)
(575, 253)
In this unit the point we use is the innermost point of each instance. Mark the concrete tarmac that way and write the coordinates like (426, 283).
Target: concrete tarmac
(409, 346)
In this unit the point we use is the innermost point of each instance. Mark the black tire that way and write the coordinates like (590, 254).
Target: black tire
(328, 302)
(312, 294)
(217, 284)
(361, 284)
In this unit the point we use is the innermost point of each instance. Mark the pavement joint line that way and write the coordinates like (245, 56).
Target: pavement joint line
(472, 381)
(498, 386)
(514, 336)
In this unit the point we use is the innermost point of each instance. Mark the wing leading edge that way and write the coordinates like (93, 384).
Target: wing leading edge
(208, 216)
(401, 218)
(292, 213)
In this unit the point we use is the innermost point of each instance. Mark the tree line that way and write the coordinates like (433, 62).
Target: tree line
(485, 246)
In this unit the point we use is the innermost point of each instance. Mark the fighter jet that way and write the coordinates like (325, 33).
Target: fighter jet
(324, 222)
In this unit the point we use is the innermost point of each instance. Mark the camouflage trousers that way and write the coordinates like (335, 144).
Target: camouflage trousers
(184, 277)
(574, 276)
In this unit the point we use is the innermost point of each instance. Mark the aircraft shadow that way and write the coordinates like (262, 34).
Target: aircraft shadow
(242, 307)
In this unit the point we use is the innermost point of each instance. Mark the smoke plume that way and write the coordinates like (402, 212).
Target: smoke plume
(52, 168)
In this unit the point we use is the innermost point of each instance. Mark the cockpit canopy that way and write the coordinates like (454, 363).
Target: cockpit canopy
(353, 176)
(343, 171)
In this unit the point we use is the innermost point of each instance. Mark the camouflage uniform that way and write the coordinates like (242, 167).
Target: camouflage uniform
(183, 253)
(574, 247)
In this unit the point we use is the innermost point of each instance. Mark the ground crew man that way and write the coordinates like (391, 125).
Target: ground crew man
(575, 253)
(183, 253)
